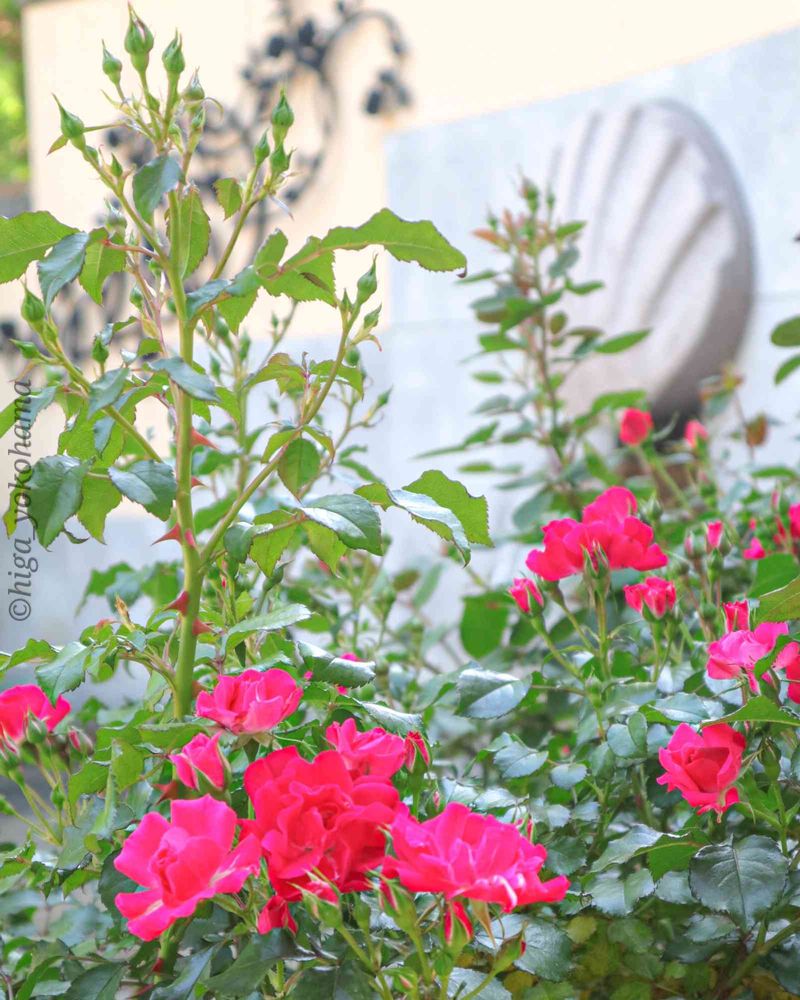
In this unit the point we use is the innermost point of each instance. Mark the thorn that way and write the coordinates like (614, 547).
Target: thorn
(196, 482)
(173, 535)
(189, 537)
(199, 439)
(180, 604)
(199, 628)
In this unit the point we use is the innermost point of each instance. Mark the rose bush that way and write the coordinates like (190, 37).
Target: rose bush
(587, 786)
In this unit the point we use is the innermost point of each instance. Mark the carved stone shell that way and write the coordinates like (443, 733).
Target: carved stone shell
(668, 234)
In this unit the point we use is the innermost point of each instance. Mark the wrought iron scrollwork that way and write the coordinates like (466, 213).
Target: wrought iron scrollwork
(297, 53)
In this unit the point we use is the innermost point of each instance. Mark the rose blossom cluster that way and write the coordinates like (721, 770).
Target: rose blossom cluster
(608, 529)
(22, 704)
(319, 827)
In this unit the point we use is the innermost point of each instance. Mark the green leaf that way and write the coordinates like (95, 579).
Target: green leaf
(548, 953)
(196, 383)
(784, 964)
(55, 490)
(65, 671)
(151, 484)
(616, 896)
(152, 181)
(324, 544)
(106, 390)
(101, 261)
(462, 982)
(345, 982)
(787, 334)
(235, 309)
(333, 670)
(351, 518)
(773, 572)
(745, 879)
(786, 369)
(194, 232)
(472, 512)
(402, 723)
(298, 465)
(761, 709)
(484, 694)
(25, 238)
(420, 242)
(568, 775)
(780, 605)
(423, 510)
(100, 983)
(483, 622)
(615, 345)
(183, 988)
(273, 621)
(100, 497)
(305, 277)
(229, 195)
(247, 971)
(205, 295)
(267, 548)
(61, 265)
(518, 761)
(632, 843)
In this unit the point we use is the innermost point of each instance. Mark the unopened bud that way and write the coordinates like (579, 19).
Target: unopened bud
(261, 149)
(282, 120)
(72, 127)
(32, 309)
(112, 67)
(367, 285)
(138, 42)
(279, 160)
(194, 91)
(173, 58)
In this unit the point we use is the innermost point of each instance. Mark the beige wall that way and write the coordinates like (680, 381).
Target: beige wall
(466, 58)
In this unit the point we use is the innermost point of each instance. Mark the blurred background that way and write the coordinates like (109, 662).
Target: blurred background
(670, 128)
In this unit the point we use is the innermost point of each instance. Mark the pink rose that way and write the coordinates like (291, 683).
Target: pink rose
(737, 615)
(741, 649)
(703, 766)
(251, 702)
(20, 704)
(182, 862)
(522, 591)
(654, 593)
(370, 751)
(714, 531)
(755, 550)
(694, 433)
(635, 426)
(466, 855)
(201, 755)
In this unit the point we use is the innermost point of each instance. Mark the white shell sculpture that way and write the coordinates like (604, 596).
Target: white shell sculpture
(669, 236)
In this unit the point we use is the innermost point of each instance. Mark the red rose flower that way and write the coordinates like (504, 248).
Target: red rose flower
(694, 433)
(741, 649)
(20, 704)
(608, 527)
(314, 818)
(794, 520)
(635, 426)
(201, 755)
(703, 766)
(465, 855)
(792, 664)
(182, 862)
(522, 591)
(654, 593)
(251, 702)
(275, 915)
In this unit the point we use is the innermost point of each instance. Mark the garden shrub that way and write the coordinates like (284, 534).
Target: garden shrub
(588, 788)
